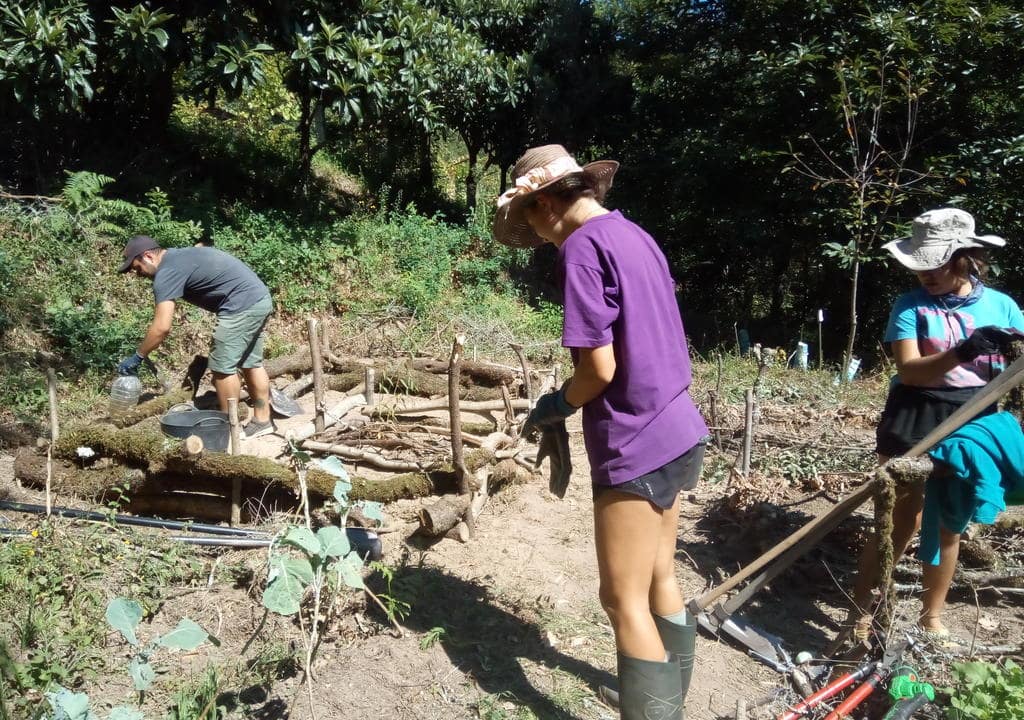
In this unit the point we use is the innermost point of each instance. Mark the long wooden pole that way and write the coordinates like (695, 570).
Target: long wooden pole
(1006, 381)
(236, 483)
(748, 433)
(318, 375)
(51, 388)
(455, 421)
(846, 506)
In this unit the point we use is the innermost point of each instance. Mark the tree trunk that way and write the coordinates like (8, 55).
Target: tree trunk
(305, 147)
(848, 355)
(474, 152)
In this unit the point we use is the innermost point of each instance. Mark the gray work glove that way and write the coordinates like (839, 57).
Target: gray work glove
(554, 445)
(551, 409)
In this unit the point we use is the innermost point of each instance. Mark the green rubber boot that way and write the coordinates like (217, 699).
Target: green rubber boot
(678, 634)
(649, 690)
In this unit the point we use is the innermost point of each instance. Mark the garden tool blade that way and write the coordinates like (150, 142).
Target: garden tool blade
(160, 378)
(283, 405)
(762, 645)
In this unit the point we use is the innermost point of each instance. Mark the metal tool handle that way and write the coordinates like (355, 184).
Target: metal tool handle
(830, 690)
(855, 698)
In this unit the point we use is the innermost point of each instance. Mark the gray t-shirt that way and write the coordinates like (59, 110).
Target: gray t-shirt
(209, 278)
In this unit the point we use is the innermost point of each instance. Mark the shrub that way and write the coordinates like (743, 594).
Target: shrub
(88, 337)
(295, 261)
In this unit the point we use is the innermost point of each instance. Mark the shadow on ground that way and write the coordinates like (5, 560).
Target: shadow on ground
(793, 605)
(483, 640)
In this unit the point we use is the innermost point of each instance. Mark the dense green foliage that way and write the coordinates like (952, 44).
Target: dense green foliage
(349, 150)
(987, 691)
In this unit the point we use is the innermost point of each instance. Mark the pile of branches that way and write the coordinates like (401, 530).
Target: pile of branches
(395, 449)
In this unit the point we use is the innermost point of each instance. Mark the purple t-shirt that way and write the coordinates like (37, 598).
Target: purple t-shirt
(617, 289)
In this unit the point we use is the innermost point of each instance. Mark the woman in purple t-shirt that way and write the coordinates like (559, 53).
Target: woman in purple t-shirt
(643, 434)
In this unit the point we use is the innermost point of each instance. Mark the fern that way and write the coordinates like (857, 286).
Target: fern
(83, 190)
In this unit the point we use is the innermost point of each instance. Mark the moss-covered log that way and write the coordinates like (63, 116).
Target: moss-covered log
(474, 372)
(300, 362)
(400, 380)
(159, 457)
(68, 477)
(157, 406)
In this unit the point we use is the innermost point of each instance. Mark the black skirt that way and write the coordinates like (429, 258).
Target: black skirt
(912, 412)
(661, 486)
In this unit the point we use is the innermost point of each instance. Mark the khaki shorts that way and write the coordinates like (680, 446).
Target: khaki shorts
(238, 339)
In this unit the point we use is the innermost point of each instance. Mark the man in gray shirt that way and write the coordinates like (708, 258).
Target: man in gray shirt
(221, 284)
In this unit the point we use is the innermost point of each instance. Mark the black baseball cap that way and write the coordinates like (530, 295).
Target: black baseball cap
(135, 247)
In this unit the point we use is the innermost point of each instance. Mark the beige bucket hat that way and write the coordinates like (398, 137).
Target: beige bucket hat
(538, 168)
(935, 236)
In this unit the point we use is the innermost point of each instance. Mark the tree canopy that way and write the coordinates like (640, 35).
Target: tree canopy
(770, 146)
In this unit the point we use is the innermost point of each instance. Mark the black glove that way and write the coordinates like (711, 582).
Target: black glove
(987, 340)
(554, 445)
(130, 365)
(550, 409)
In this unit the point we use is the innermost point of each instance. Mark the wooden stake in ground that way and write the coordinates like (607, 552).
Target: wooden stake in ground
(236, 483)
(318, 375)
(370, 386)
(518, 349)
(748, 433)
(51, 387)
(455, 419)
(49, 477)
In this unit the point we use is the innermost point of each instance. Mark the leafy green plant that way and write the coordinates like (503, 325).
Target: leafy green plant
(67, 705)
(432, 636)
(394, 607)
(124, 616)
(986, 691)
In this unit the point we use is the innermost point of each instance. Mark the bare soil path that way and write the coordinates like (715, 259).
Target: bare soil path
(509, 624)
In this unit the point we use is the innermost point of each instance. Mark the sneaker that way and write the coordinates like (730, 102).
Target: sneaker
(255, 429)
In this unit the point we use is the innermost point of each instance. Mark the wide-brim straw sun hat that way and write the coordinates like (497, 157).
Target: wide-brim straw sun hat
(935, 236)
(538, 168)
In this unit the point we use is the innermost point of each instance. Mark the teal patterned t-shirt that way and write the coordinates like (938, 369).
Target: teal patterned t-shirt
(922, 316)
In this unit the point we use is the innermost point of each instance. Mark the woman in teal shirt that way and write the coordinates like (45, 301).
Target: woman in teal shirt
(945, 351)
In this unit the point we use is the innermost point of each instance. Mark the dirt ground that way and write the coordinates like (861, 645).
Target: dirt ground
(510, 622)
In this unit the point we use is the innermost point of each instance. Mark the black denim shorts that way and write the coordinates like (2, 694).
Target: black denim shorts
(661, 486)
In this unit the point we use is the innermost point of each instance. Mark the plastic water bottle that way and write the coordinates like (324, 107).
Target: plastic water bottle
(852, 368)
(124, 395)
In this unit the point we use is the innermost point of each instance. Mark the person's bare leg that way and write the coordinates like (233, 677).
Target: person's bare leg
(627, 535)
(906, 519)
(665, 597)
(227, 386)
(258, 383)
(936, 581)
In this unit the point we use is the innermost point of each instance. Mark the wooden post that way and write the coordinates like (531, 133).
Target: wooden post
(370, 386)
(748, 432)
(556, 376)
(236, 483)
(518, 349)
(51, 386)
(49, 477)
(318, 375)
(821, 319)
(455, 419)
